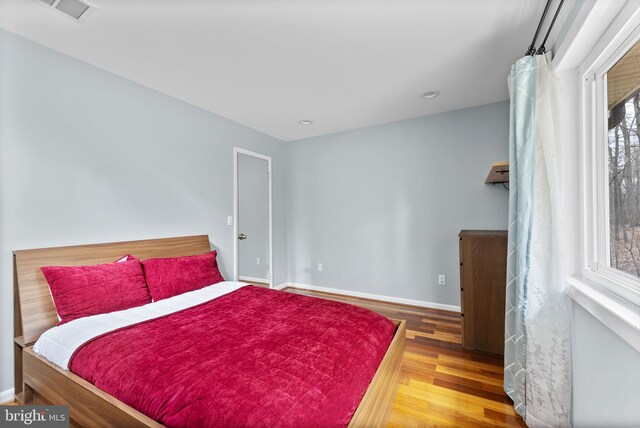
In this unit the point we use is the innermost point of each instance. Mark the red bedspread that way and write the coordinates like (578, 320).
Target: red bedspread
(251, 358)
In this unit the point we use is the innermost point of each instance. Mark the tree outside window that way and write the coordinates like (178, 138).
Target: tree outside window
(623, 93)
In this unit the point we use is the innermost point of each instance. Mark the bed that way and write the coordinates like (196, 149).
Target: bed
(38, 381)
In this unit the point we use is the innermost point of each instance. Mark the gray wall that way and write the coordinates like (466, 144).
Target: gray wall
(253, 217)
(381, 207)
(87, 156)
(606, 375)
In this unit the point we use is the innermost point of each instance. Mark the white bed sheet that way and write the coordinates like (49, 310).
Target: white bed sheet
(59, 343)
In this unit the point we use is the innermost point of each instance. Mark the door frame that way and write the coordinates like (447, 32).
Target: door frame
(238, 151)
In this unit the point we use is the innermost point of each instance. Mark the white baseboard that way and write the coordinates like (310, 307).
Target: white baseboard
(382, 298)
(250, 279)
(7, 395)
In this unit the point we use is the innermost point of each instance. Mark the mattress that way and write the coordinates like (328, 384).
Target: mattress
(229, 355)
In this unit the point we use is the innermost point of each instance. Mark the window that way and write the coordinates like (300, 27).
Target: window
(611, 188)
(604, 227)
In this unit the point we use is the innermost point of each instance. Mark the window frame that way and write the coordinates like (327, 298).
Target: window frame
(595, 183)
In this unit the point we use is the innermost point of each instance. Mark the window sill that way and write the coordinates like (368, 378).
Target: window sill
(619, 315)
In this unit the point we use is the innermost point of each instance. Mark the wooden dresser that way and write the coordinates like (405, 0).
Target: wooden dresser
(483, 265)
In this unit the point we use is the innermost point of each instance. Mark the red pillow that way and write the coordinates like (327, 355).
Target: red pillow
(172, 276)
(81, 291)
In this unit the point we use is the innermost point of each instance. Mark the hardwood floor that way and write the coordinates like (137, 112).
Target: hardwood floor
(443, 385)
(257, 284)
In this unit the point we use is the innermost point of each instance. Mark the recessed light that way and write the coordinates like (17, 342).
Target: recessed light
(430, 95)
(305, 122)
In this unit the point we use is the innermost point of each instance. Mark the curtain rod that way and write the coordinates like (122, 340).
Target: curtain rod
(541, 50)
(532, 46)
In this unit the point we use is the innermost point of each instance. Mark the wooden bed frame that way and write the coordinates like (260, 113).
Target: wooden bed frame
(37, 381)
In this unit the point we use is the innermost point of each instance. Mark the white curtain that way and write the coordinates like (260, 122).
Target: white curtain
(537, 332)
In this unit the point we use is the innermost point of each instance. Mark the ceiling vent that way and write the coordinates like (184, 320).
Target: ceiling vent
(75, 9)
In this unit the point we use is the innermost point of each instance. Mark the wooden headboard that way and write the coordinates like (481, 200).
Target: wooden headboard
(33, 308)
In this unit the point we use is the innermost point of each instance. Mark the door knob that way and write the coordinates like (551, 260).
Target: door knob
(242, 237)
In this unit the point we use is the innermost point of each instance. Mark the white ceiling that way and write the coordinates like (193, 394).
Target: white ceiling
(269, 63)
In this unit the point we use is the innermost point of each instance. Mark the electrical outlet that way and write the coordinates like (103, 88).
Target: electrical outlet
(258, 261)
(442, 280)
(320, 267)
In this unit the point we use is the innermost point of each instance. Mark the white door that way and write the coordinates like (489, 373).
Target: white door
(253, 217)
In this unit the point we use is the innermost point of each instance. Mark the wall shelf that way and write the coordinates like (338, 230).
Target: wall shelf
(499, 173)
